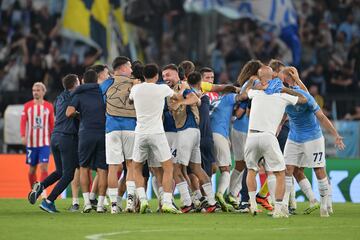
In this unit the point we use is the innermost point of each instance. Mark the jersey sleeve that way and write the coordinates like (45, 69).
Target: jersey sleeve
(312, 104)
(75, 102)
(290, 99)
(187, 92)
(23, 121)
(231, 98)
(206, 86)
(243, 104)
(167, 91)
(131, 95)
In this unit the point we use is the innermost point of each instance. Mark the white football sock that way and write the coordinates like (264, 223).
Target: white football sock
(323, 190)
(113, 194)
(167, 199)
(161, 195)
(305, 187)
(75, 201)
(92, 196)
(224, 181)
(252, 199)
(329, 200)
(119, 201)
(207, 187)
(288, 186)
(130, 188)
(101, 201)
(235, 187)
(86, 197)
(141, 193)
(272, 186)
(184, 193)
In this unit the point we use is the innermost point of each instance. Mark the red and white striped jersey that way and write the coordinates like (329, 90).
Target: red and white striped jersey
(212, 96)
(37, 123)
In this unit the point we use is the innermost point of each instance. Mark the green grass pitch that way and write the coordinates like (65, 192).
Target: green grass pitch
(20, 220)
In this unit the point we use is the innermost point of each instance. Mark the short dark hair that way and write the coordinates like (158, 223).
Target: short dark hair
(90, 76)
(188, 67)
(151, 70)
(118, 61)
(194, 78)
(98, 68)
(137, 70)
(205, 69)
(170, 66)
(69, 81)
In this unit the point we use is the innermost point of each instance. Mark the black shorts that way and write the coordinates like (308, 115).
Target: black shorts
(283, 135)
(92, 150)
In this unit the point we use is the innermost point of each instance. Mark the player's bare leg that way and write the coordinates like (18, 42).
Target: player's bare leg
(182, 186)
(121, 192)
(279, 210)
(323, 190)
(75, 187)
(205, 184)
(84, 183)
(140, 186)
(102, 185)
(94, 191)
(43, 175)
(251, 184)
(224, 182)
(32, 175)
(235, 183)
(130, 187)
(305, 187)
(113, 185)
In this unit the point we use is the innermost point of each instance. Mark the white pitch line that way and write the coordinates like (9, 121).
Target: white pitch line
(101, 236)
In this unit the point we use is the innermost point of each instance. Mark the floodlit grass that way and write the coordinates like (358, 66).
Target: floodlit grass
(20, 220)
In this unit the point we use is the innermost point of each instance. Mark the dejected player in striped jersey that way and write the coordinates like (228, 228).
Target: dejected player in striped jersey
(37, 124)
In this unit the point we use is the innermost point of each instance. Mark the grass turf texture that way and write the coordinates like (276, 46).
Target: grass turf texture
(20, 220)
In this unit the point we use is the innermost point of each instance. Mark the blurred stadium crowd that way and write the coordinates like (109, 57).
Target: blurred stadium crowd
(33, 49)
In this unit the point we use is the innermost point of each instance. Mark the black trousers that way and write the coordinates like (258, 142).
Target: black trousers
(65, 152)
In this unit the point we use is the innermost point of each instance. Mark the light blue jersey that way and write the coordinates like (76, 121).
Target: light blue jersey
(304, 125)
(221, 112)
(114, 123)
(242, 124)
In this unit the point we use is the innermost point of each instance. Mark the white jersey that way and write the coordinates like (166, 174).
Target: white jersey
(267, 110)
(149, 101)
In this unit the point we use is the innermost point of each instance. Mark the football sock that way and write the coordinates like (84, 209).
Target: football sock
(184, 193)
(32, 179)
(288, 186)
(271, 179)
(305, 187)
(323, 190)
(167, 199)
(141, 193)
(207, 187)
(130, 187)
(86, 197)
(224, 182)
(113, 194)
(101, 201)
(92, 196)
(236, 183)
(252, 196)
(264, 190)
(75, 201)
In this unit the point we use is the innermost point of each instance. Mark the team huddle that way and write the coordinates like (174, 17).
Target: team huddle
(180, 128)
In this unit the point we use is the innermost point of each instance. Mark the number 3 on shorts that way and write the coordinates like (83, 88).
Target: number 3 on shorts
(318, 156)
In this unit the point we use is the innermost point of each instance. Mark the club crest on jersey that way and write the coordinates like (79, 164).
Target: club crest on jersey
(38, 122)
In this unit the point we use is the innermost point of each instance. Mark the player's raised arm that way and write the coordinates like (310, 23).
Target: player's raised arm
(326, 123)
(302, 99)
(295, 75)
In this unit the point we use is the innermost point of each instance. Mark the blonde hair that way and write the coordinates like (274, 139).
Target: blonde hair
(40, 84)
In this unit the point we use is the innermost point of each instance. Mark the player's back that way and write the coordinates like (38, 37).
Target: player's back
(304, 125)
(149, 100)
(267, 110)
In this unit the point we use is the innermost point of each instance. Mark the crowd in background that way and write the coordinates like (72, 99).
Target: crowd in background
(32, 48)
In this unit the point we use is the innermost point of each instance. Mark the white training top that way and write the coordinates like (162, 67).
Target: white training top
(149, 101)
(267, 110)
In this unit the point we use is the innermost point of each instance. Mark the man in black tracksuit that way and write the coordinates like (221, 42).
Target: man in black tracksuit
(64, 146)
